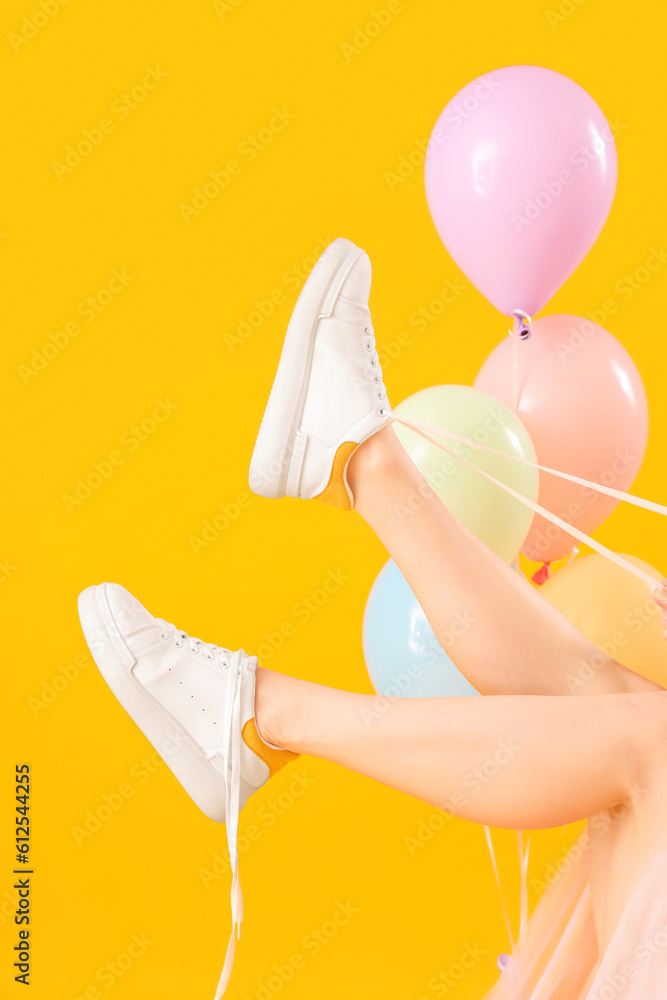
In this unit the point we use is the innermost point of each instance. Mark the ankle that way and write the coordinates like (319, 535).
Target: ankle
(272, 700)
(375, 456)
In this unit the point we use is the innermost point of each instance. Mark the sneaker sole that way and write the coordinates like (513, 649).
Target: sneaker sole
(269, 466)
(182, 755)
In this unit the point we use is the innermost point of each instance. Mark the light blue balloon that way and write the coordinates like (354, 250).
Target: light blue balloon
(403, 656)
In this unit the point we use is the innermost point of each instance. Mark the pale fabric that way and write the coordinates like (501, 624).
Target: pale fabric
(558, 957)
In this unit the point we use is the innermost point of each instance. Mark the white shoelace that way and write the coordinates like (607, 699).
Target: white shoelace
(232, 760)
(374, 364)
(209, 649)
(237, 663)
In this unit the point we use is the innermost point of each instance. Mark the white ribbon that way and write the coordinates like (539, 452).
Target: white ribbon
(232, 760)
(425, 430)
(523, 870)
(492, 853)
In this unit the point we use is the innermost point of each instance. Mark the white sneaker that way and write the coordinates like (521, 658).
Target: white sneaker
(195, 703)
(328, 395)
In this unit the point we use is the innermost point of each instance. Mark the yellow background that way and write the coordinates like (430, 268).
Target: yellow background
(162, 337)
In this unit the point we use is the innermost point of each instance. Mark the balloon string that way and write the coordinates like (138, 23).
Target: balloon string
(419, 425)
(523, 868)
(569, 529)
(515, 374)
(492, 853)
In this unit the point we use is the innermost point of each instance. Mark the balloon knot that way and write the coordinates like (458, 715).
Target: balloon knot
(542, 575)
(521, 324)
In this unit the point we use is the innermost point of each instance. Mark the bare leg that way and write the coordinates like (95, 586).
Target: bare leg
(524, 761)
(499, 631)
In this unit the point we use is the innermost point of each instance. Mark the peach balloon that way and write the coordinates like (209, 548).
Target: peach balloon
(615, 610)
(579, 394)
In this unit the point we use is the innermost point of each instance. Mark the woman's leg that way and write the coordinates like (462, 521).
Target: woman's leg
(524, 761)
(498, 630)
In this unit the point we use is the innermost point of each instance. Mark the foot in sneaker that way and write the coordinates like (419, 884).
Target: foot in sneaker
(328, 395)
(195, 703)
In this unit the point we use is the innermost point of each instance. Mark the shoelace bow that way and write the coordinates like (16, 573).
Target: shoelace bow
(237, 663)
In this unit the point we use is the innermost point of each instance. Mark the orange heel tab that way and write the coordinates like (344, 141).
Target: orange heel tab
(274, 759)
(336, 491)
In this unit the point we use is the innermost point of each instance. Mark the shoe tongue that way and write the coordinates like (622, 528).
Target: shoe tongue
(357, 285)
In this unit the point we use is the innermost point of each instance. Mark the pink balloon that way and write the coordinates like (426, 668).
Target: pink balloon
(582, 400)
(520, 175)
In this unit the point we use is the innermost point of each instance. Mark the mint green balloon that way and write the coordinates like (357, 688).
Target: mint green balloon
(495, 517)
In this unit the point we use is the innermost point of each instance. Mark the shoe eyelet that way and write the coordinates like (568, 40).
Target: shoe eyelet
(377, 379)
(373, 363)
(194, 649)
(381, 395)
(177, 643)
(163, 635)
(369, 346)
(382, 411)
(209, 656)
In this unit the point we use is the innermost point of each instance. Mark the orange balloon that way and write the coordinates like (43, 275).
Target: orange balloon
(615, 610)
